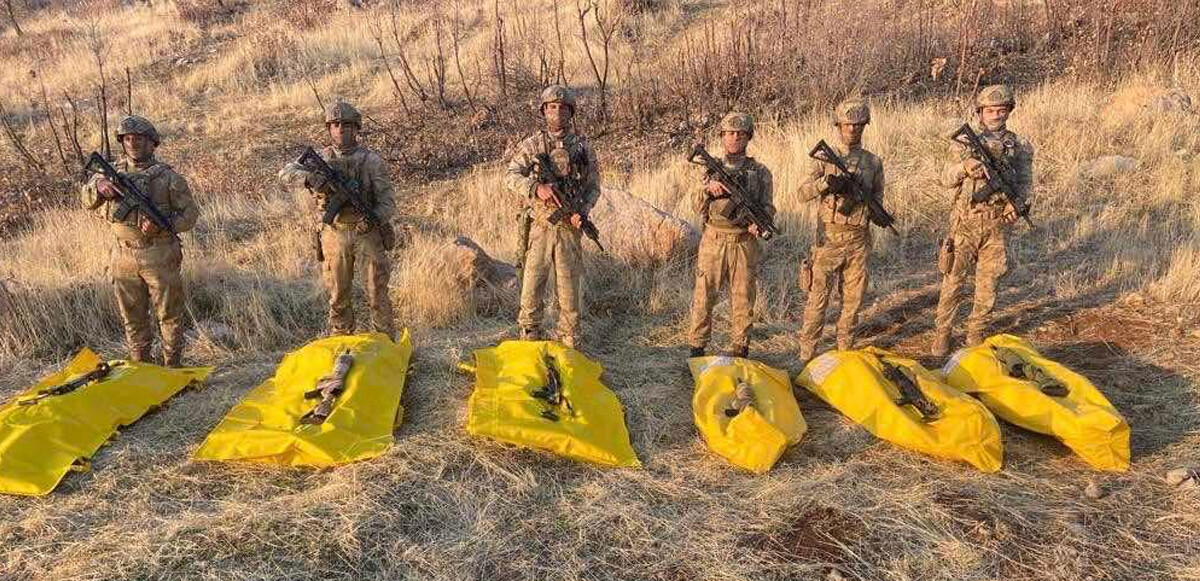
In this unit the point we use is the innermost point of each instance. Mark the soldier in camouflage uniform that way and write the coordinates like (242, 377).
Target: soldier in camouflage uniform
(729, 248)
(145, 260)
(351, 236)
(978, 229)
(843, 238)
(553, 247)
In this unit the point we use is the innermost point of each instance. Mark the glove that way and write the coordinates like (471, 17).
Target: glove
(836, 182)
(974, 168)
(315, 181)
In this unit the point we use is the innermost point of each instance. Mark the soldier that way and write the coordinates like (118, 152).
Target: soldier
(978, 228)
(843, 238)
(729, 248)
(553, 247)
(351, 235)
(145, 259)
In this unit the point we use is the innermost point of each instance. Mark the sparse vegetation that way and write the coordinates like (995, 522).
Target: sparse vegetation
(1108, 282)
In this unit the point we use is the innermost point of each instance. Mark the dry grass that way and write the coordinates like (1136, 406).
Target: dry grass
(1107, 282)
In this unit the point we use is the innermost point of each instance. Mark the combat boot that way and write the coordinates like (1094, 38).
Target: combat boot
(696, 352)
(742, 351)
(974, 337)
(140, 353)
(807, 351)
(844, 343)
(941, 344)
(530, 334)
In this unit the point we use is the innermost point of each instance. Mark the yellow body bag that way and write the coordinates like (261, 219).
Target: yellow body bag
(956, 427)
(267, 427)
(58, 424)
(755, 436)
(544, 395)
(1066, 405)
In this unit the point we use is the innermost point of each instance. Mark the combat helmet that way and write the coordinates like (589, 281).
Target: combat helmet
(343, 112)
(996, 96)
(852, 112)
(736, 121)
(557, 94)
(137, 125)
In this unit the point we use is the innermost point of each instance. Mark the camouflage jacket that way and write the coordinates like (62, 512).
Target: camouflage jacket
(867, 171)
(1015, 156)
(166, 189)
(754, 177)
(360, 164)
(583, 173)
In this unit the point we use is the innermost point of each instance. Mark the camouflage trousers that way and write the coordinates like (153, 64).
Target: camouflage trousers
(842, 254)
(725, 258)
(147, 278)
(341, 247)
(978, 243)
(554, 249)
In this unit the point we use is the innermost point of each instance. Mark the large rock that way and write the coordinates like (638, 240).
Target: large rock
(635, 231)
(1173, 100)
(471, 267)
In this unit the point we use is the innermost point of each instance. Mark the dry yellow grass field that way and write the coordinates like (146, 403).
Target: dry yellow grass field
(1108, 282)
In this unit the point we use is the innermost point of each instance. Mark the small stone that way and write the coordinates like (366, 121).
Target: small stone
(1093, 490)
(834, 575)
(1184, 478)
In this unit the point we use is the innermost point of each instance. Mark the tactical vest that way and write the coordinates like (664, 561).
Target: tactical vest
(351, 166)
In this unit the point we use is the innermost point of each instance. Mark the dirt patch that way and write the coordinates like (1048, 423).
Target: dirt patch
(819, 535)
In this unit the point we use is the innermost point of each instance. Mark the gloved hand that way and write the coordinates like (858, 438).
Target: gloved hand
(836, 182)
(974, 168)
(315, 181)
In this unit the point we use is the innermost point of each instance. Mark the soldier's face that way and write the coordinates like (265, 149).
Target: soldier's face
(558, 115)
(344, 135)
(735, 142)
(851, 132)
(137, 147)
(995, 117)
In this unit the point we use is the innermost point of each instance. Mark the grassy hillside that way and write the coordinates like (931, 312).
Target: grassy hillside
(1106, 282)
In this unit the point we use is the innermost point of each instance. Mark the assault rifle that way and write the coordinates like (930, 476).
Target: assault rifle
(552, 392)
(100, 372)
(853, 195)
(741, 199)
(566, 201)
(344, 190)
(132, 197)
(1016, 366)
(996, 180)
(910, 393)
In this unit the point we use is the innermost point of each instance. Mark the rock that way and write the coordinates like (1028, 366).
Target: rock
(472, 267)
(639, 233)
(1093, 490)
(1184, 478)
(1107, 167)
(834, 575)
(1174, 100)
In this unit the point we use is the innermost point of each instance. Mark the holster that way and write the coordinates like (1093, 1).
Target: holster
(946, 255)
(524, 223)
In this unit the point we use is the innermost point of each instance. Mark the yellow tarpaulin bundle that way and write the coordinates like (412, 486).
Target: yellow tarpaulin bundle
(544, 395)
(900, 401)
(745, 410)
(58, 424)
(271, 424)
(1018, 384)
